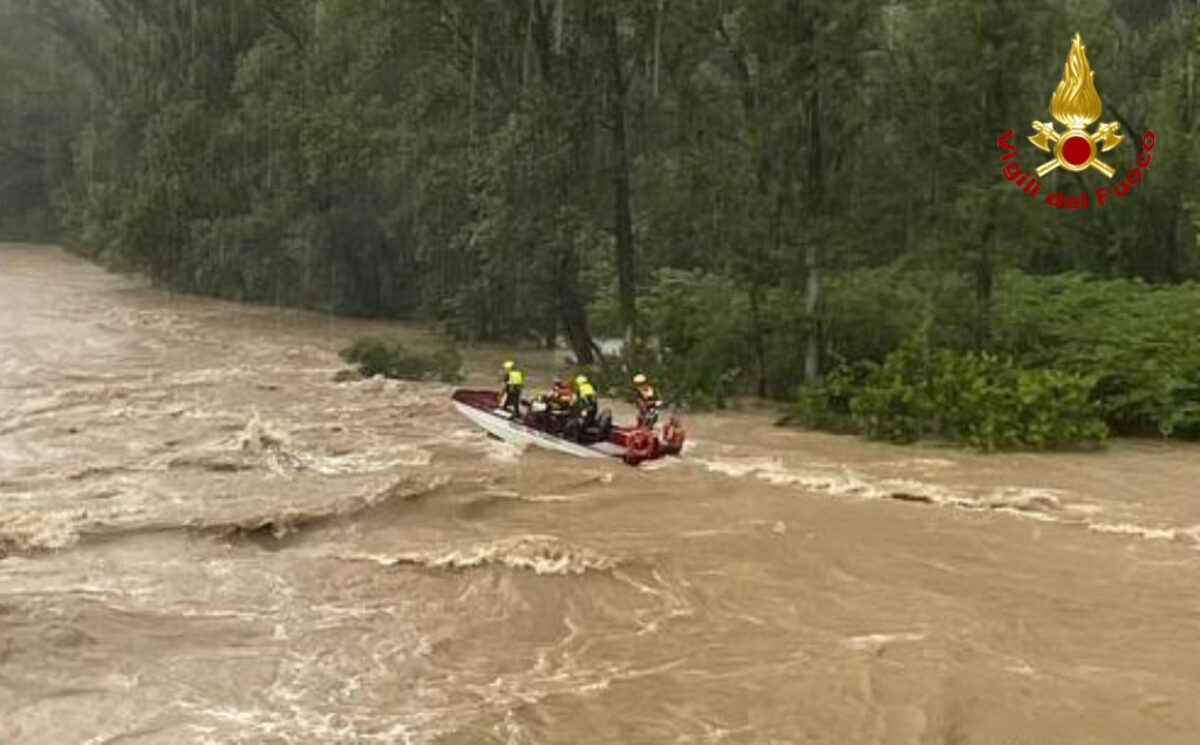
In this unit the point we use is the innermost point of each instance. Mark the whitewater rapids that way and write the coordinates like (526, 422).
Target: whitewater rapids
(204, 538)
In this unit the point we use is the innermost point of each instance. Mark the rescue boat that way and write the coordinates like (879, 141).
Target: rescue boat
(633, 445)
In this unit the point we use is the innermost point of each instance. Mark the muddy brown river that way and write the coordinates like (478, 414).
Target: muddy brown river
(205, 539)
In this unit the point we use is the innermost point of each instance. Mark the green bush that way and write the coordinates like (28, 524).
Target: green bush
(826, 405)
(982, 400)
(895, 401)
(447, 365)
(1134, 348)
(991, 404)
(1140, 342)
(373, 356)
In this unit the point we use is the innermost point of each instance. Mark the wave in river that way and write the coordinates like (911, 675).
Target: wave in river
(1046, 505)
(33, 532)
(540, 554)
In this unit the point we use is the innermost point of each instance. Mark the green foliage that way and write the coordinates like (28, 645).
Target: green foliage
(701, 329)
(825, 405)
(991, 404)
(447, 365)
(1133, 347)
(44, 98)
(870, 312)
(1140, 342)
(982, 400)
(896, 401)
(374, 356)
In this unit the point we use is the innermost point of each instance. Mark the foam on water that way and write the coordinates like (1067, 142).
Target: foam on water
(875, 643)
(540, 554)
(1027, 503)
(24, 532)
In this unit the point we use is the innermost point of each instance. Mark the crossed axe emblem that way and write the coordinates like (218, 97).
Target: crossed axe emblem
(1105, 135)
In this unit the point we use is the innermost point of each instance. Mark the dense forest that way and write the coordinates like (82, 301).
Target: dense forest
(773, 197)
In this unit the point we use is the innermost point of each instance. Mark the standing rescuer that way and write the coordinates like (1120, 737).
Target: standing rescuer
(514, 383)
(647, 400)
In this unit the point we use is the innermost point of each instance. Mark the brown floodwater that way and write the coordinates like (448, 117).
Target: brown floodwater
(205, 539)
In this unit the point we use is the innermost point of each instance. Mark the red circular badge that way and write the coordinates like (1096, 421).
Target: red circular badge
(1077, 150)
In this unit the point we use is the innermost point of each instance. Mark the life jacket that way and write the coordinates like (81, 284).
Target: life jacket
(515, 378)
(587, 394)
(646, 400)
(562, 394)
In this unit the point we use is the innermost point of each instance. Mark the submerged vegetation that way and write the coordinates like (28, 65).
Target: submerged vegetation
(372, 356)
(794, 199)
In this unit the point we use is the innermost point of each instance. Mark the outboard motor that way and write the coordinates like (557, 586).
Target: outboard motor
(672, 435)
(604, 424)
(537, 416)
(599, 429)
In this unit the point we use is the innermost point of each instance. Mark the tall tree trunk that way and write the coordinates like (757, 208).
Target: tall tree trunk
(658, 26)
(993, 107)
(760, 357)
(624, 220)
(560, 17)
(571, 309)
(762, 179)
(812, 295)
(984, 281)
(474, 87)
(758, 273)
(623, 211)
(812, 266)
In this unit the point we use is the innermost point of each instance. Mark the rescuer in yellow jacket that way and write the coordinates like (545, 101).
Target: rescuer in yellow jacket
(514, 383)
(585, 404)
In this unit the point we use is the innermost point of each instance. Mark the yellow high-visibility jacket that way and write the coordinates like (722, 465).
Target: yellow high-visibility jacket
(586, 394)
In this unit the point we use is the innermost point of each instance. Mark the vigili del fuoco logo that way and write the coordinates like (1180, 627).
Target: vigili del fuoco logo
(1075, 105)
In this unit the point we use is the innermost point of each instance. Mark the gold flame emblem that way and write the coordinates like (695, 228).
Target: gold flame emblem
(1076, 104)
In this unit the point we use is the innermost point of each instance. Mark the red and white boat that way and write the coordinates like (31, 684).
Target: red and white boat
(631, 444)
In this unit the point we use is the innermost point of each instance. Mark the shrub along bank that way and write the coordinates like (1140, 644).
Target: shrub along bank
(1073, 359)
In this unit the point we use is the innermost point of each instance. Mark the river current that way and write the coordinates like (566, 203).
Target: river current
(205, 538)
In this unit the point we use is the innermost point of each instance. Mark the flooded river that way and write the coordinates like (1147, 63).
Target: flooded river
(206, 539)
